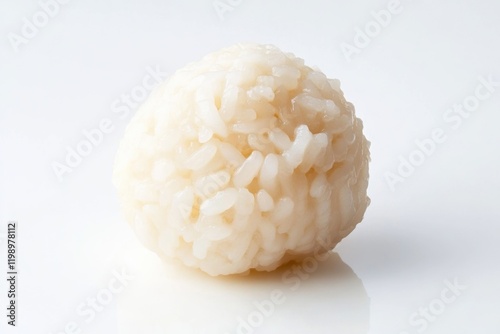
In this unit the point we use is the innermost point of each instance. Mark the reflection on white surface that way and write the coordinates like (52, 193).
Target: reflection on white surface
(165, 298)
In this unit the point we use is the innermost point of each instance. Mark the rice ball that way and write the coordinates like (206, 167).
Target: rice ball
(244, 160)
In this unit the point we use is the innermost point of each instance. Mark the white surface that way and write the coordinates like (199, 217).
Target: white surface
(439, 225)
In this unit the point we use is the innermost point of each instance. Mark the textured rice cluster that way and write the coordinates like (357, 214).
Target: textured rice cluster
(245, 159)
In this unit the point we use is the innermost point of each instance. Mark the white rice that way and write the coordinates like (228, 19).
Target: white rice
(244, 160)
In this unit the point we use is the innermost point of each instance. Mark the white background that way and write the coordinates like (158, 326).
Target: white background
(438, 225)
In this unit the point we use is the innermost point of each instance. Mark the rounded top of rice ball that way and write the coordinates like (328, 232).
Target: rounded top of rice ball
(244, 160)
